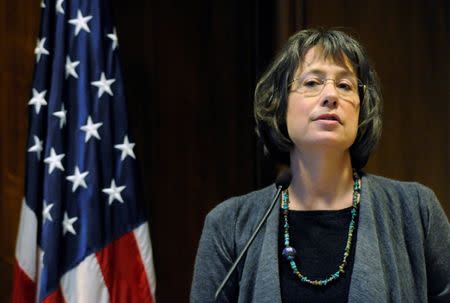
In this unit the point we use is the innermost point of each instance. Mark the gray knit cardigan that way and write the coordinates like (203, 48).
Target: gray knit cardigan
(402, 247)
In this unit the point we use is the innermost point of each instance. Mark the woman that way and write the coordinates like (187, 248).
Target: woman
(338, 234)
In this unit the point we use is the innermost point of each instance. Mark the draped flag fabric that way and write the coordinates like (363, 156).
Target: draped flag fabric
(83, 236)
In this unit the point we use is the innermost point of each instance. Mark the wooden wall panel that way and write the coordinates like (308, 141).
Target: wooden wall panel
(190, 71)
(19, 23)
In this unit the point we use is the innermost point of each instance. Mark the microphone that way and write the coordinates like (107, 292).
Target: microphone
(282, 182)
(284, 179)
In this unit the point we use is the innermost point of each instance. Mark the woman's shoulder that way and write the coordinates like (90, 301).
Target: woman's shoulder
(400, 193)
(380, 184)
(243, 205)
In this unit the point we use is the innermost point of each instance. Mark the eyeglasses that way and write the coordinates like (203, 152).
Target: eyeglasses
(313, 86)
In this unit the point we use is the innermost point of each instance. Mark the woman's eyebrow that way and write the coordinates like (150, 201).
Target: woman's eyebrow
(314, 72)
(322, 73)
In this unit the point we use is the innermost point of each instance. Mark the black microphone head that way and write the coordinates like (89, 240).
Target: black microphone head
(284, 179)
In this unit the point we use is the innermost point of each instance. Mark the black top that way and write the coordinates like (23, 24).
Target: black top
(319, 237)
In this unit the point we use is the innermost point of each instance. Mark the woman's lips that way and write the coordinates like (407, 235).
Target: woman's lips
(328, 119)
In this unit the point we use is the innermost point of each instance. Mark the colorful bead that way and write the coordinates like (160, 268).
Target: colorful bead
(289, 252)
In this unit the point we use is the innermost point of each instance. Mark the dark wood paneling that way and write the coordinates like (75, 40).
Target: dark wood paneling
(190, 71)
(19, 21)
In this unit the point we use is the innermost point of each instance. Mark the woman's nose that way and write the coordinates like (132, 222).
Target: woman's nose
(329, 94)
(329, 102)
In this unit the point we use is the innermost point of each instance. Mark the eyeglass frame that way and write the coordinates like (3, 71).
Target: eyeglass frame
(359, 85)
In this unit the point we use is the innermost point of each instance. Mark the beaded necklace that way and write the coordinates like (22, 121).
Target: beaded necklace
(289, 252)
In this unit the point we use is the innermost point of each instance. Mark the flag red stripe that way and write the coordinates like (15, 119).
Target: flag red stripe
(124, 272)
(55, 297)
(24, 289)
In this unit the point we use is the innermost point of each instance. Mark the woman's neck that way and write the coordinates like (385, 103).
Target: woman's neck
(320, 181)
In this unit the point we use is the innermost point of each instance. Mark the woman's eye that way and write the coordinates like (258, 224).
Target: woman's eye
(345, 86)
(311, 83)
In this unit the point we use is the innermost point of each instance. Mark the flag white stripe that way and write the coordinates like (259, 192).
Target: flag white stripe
(85, 283)
(142, 236)
(26, 241)
(39, 270)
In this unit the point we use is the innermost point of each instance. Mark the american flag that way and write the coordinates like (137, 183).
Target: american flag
(83, 235)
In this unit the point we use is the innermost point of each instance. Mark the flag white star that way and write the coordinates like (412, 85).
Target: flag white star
(59, 8)
(70, 68)
(103, 85)
(43, 4)
(37, 147)
(54, 161)
(68, 224)
(78, 179)
(113, 37)
(80, 23)
(114, 192)
(40, 49)
(91, 129)
(127, 149)
(38, 100)
(46, 212)
(61, 115)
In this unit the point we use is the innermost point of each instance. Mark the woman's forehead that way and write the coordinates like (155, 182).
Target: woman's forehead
(315, 57)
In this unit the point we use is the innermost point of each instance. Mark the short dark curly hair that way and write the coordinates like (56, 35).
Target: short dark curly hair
(272, 92)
